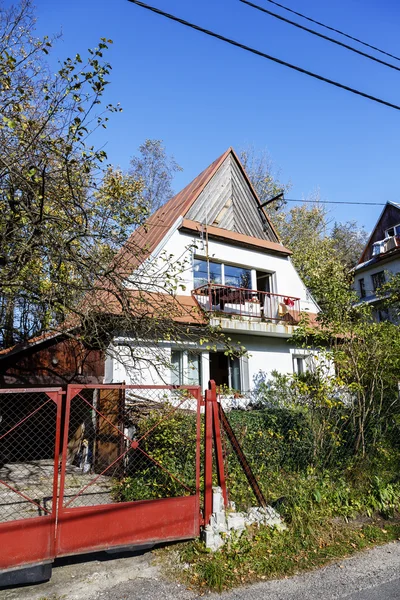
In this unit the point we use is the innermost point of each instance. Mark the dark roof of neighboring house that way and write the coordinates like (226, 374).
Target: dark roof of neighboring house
(45, 338)
(375, 234)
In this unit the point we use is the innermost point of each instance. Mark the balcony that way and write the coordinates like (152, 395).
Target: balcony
(247, 305)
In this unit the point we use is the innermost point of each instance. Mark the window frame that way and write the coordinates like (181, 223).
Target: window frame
(394, 227)
(374, 277)
(303, 360)
(181, 377)
(252, 274)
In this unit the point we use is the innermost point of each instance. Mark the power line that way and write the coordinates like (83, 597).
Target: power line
(333, 29)
(335, 202)
(321, 35)
(263, 55)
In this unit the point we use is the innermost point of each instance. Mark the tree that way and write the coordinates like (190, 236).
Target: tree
(65, 212)
(304, 230)
(349, 240)
(260, 170)
(155, 169)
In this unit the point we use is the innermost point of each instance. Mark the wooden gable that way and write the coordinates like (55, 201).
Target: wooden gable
(228, 201)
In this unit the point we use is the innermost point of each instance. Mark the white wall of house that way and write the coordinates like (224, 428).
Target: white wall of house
(151, 363)
(184, 248)
(392, 267)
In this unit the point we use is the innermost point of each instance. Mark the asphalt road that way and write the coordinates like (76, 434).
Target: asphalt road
(372, 575)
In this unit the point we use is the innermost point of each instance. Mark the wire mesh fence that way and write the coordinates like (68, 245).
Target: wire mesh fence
(27, 454)
(127, 444)
(287, 441)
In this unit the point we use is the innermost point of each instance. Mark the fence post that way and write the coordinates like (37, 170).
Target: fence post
(218, 443)
(208, 438)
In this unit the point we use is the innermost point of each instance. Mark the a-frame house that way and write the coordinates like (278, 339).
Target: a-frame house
(237, 276)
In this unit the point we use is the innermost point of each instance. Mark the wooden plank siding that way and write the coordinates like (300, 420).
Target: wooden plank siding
(228, 202)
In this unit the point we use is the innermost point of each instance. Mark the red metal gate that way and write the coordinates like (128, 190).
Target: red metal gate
(125, 479)
(30, 422)
(120, 474)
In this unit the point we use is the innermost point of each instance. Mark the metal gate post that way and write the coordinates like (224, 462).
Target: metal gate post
(218, 443)
(208, 440)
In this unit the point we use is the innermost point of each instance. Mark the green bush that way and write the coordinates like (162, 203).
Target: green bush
(165, 459)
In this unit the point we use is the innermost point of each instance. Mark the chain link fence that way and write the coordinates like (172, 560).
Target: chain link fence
(130, 444)
(27, 454)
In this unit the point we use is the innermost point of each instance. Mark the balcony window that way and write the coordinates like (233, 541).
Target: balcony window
(220, 273)
(392, 231)
(362, 288)
(201, 272)
(237, 277)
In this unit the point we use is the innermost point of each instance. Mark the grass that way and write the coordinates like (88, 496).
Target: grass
(264, 553)
(329, 516)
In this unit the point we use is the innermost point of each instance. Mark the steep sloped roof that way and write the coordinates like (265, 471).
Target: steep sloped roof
(146, 238)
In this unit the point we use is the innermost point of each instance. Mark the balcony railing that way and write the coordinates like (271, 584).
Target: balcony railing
(247, 304)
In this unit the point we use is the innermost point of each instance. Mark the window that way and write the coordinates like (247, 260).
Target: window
(232, 372)
(395, 230)
(362, 288)
(237, 277)
(382, 315)
(220, 273)
(185, 367)
(193, 370)
(201, 272)
(300, 363)
(177, 367)
(378, 279)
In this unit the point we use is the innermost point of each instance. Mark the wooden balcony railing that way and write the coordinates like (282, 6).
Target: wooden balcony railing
(247, 304)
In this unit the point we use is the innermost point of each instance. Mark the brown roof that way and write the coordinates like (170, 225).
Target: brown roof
(143, 304)
(146, 238)
(235, 238)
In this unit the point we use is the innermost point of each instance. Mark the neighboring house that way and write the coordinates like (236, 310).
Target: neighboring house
(237, 274)
(380, 258)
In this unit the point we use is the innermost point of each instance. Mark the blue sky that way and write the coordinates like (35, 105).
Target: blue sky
(201, 96)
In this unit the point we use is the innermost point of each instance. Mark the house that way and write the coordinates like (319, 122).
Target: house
(208, 257)
(236, 275)
(380, 258)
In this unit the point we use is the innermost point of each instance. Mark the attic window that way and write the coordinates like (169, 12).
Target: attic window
(392, 231)
(222, 273)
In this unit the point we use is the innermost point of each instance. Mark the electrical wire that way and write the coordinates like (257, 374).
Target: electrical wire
(321, 35)
(264, 55)
(351, 37)
(335, 202)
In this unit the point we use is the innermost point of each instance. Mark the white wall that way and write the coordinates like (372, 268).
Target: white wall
(392, 267)
(264, 354)
(288, 282)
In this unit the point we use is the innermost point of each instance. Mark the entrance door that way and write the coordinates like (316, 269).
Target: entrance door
(225, 371)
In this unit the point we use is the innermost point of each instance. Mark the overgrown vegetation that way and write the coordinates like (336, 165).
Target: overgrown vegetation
(301, 437)
(264, 553)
